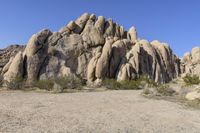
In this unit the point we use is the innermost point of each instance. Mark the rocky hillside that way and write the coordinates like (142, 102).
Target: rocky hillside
(93, 48)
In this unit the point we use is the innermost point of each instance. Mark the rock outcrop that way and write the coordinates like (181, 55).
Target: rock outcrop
(15, 69)
(6, 56)
(190, 63)
(93, 48)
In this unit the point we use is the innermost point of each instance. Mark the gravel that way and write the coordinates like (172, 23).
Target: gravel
(93, 112)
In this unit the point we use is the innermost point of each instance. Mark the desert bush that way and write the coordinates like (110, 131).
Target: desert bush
(130, 84)
(140, 83)
(69, 82)
(61, 82)
(1, 80)
(16, 84)
(122, 85)
(191, 79)
(111, 84)
(165, 90)
(160, 90)
(47, 84)
(44, 84)
(147, 81)
(147, 91)
(193, 104)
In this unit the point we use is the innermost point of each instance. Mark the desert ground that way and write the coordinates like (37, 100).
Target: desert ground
(93, 112)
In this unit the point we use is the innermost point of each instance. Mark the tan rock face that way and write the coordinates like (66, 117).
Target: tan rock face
(8, 53)
(109, 28)
(92, 34)
(92, 68)
(103, 62)
(196, 55)
(118, 52)
(6, 67)
(36, 42)
(81, 22)
(167, 60)
(132, 34)
(100, 23)
(190, 62)
(93, 48)
(16, 68)
(187, 58)
(35, 54)
(126, 72)
(194, 95)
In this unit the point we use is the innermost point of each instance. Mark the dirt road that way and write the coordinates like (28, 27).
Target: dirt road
(95, 112)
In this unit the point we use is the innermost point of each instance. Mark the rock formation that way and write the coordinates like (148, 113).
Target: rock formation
(190, 63)
(93, 48)
(6, 56)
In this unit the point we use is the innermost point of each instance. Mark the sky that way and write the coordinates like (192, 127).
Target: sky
(176, 22)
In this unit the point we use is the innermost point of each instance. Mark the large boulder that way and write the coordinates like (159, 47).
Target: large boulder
(37, 42)
(92, 68)
(81, 22)
(118, 52)
(35, 54)
(187, 58)
(53, 39)
(6, 67)
(109, 28)
(8, 53)
(132, 34)
(168, 61)
(190, 63)
(196, 55)
(100, 24)
(103, 62)
(126, 72)
(92, 33)
(15, 69)
(194, 95)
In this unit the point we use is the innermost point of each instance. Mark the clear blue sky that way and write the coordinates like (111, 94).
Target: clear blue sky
(176, 22)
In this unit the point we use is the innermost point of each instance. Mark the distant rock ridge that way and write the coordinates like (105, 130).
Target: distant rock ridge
(93, 48)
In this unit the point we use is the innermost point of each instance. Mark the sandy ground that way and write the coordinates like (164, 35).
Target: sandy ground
(94, 112)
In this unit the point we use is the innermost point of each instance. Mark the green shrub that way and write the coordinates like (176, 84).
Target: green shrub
(130, 85)
(146, 91)
(69, 82)
(47, 84)
(1, 80)
(193, 104)
(122, 85)
(111, 84)
(191, 79)
(16, 84)
(165, 90)
(61, 82)
(160, 90)
(44, 84)
(149, 82)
